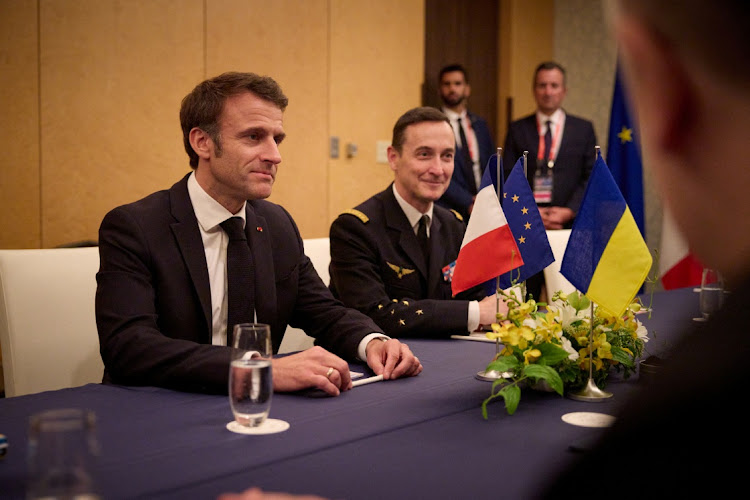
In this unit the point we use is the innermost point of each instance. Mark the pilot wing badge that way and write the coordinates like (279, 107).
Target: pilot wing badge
(400, 271)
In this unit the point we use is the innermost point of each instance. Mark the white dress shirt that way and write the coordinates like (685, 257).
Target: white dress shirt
(470, 136)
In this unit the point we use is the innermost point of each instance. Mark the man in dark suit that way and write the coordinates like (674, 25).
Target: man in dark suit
(561, 149)
(684, 434)
(474, 143)
(388, 254)
(162, 306)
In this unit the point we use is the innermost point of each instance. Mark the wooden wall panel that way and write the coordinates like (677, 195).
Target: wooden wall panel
(112, 77)
(287, 40)
(377, 65)
(464, 33)
(527, 35)
(19, 128)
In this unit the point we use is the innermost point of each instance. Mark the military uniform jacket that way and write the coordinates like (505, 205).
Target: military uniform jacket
(377, 267)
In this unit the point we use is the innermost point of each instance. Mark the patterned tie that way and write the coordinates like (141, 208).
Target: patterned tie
(468, 163)
(424, 240)
(240, 286)
(547, 142)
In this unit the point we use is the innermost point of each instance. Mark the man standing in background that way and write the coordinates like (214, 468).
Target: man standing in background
(474, 144)
(561, 149)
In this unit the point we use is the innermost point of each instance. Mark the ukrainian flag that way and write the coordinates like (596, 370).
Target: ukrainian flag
(606, 257)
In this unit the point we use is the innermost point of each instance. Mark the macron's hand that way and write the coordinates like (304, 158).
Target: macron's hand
(392, 359)
(314, 367)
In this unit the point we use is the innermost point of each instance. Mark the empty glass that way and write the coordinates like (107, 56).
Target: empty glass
(250, 377)
(62, 450)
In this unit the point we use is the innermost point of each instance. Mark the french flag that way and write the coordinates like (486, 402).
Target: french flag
(488, 249)
(678, 267)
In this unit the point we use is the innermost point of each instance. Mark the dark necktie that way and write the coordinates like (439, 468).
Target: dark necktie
(240, 286)
(468, 163)
(424, 240)
(547, 142)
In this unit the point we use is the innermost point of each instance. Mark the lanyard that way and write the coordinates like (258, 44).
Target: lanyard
(553, 146)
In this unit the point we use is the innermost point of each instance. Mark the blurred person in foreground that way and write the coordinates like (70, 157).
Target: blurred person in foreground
(162, 303)
(388, 254)
(683, 435)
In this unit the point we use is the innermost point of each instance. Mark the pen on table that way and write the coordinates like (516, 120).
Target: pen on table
(369, 380)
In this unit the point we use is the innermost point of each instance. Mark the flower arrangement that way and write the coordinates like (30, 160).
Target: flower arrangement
(548, 344)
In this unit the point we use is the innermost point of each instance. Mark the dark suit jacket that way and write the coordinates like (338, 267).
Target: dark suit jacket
(575, 157)
(410, 300)
(457, 196)
(685, 432)
(153, 303)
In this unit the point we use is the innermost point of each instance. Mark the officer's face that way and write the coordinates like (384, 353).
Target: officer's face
(424, 167)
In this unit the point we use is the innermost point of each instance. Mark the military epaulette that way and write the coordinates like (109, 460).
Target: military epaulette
(359, 215)
(458, 215)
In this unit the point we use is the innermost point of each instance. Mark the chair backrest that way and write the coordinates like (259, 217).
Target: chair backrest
(47, 324)
(554, 281)
(319, 251)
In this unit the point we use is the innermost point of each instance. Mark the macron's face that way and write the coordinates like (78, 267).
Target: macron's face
(245, 168)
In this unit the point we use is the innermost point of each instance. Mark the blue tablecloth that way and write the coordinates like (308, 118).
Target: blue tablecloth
(421, 437)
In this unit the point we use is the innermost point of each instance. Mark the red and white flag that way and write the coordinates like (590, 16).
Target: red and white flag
(678, 267)
(488, 249)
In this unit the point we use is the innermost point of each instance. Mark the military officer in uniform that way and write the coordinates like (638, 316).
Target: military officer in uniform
(391, 256)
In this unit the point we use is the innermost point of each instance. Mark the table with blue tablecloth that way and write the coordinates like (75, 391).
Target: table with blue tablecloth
(420, 437)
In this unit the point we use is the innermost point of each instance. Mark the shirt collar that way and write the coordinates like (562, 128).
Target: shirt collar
(453, 116)
(412, 214)
(208, 211)
(555, 117)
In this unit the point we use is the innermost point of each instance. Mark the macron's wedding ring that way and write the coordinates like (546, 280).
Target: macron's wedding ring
(328, 373)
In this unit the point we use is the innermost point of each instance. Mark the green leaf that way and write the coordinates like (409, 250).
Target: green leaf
(547, 373)
(552, 354)
(512, 396)
(503, 364)
(578, 301)
(619, 354)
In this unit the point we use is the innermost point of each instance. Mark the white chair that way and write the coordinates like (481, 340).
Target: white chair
(319, 251)
(554, 281)
(47, 324)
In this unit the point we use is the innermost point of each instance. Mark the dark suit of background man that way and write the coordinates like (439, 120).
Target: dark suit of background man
(162, 305)
(378, 263)
(561, 154)
(471, 159)
(686, 70)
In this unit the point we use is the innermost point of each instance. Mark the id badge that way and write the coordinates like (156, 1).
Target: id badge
(543, 186)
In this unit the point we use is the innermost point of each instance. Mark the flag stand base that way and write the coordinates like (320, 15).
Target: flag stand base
(590, 393)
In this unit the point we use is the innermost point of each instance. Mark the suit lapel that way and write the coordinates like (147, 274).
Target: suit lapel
(190, 243)
(258, 236)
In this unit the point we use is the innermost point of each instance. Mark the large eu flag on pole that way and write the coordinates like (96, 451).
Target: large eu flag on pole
(623, 154)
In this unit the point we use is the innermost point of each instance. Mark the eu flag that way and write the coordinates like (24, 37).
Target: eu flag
(623, 154)
(527, 227)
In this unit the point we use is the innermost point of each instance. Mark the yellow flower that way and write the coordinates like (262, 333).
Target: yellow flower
(531, 355)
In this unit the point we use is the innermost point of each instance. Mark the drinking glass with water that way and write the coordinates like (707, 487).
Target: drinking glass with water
(250, 376)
